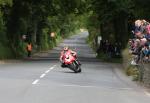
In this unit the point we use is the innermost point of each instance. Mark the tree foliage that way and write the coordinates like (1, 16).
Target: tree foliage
(113, 17)
(38, 18)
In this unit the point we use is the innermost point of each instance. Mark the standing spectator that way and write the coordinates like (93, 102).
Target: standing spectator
(110, 50)
(104, 46)
(101, 47)
(29, 49)
(146, 51)
(107, 46)
(116, 49)
(137, 50)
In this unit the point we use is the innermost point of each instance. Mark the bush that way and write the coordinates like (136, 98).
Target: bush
(134, 72)
(5, 52)
(45, 39)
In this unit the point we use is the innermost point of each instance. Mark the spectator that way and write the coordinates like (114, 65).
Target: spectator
(29, 49)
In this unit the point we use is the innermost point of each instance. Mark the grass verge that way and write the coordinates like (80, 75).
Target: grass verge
(104, 57)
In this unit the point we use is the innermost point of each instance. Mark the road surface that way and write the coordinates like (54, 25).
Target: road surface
(42, 80)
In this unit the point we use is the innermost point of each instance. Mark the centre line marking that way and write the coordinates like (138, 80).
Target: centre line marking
(36, 81)
(51, 68)
(42, 75)
(47, 71)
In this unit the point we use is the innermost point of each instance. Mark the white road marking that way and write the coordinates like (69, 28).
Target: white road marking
(51, 68)
(47, 71)
(77, 86)
(36, 81)
(42, 75)
(86, 86)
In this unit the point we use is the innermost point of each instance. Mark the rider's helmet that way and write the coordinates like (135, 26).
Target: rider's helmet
(66, 48)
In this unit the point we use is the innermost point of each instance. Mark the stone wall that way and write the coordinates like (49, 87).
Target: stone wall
(146, 78)
(126, 63)
(126, 58)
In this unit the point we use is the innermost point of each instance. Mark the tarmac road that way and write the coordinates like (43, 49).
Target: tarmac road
(42, 80)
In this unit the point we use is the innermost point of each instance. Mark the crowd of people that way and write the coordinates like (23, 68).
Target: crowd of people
(140, 41)
(110, 49)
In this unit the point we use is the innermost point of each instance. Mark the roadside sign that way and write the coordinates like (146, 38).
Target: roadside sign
(99, 39)
(24, 37)
(52, 34)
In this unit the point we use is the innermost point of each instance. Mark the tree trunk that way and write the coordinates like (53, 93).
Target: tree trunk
(121, 29)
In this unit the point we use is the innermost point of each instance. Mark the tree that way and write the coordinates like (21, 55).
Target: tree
(116, 13)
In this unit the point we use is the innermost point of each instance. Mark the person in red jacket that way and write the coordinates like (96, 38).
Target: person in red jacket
(29, 49)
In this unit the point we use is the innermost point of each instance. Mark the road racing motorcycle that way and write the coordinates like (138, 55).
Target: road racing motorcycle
(70, 61)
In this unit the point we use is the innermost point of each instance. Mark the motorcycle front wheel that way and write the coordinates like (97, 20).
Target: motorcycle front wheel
(76, 68)
(79, 69)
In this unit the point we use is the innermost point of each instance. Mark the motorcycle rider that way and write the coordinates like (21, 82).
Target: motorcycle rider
(67, 50)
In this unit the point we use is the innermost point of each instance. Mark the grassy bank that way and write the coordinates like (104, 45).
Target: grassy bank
(104, 57)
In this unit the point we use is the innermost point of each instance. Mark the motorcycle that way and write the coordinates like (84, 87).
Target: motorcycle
(71, 62)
